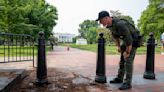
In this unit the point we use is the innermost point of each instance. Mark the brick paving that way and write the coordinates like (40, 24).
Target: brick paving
(84, 63)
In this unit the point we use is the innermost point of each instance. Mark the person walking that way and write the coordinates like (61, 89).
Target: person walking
(162, 43)
(52, 41)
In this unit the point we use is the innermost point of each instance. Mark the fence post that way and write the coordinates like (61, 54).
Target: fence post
(149, 72)
(100, 67)
(41, 61)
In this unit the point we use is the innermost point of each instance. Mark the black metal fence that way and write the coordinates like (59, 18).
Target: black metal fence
(16, 48)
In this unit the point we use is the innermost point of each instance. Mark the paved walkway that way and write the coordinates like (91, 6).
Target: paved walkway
(84, 63)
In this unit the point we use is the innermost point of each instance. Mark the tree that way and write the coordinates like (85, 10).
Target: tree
(87, 30)
(152, 19)
(107, 34)
(3, 15)
(115, 13)
(91, 35)
(119, 15)
(27, 17)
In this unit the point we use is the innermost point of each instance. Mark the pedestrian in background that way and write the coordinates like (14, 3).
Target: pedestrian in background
(162, 43)
(52, 42)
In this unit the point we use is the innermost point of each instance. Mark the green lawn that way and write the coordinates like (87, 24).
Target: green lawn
(19, 51)
(109, 49)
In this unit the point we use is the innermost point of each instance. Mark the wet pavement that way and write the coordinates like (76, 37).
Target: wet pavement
(83, 63)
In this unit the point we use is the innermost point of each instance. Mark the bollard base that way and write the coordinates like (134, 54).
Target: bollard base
(41, 82)
(100, 79)
(148, 75)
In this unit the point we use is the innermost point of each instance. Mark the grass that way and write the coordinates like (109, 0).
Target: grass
(19, 51)
(109, 49)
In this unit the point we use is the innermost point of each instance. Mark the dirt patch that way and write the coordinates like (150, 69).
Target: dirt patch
(59, 81)
(8, 74)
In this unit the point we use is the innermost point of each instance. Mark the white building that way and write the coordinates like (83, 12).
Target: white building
(64, 37)
(81, 41)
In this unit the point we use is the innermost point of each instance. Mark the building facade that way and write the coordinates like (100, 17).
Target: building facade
(64, 37)
(81, 41)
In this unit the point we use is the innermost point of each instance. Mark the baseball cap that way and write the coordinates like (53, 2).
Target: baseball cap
(102, 14)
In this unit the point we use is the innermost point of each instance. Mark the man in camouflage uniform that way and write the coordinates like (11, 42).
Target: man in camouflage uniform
(121, 32)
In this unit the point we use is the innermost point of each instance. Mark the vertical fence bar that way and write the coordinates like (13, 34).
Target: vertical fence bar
(15, 44)
(27, 46)
(12, 41)
(33, 51)
(8, 50)
(23, 47)
(30, 47)
(20, 47)
(16, 47)
(4, 48)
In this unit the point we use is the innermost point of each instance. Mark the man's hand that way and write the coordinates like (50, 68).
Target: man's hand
(119, 49)
(118, 44)
(126, 55)
(162, 41)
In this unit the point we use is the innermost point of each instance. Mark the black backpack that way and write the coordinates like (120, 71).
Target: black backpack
(137, 37)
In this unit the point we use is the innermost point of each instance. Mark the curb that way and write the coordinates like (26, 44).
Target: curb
(11, 82)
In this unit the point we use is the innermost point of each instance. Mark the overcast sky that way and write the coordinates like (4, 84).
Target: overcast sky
(72, 12)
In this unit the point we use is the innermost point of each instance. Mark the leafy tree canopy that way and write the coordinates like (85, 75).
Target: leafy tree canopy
(119, 15)
(87, 30)
(27, 17)
(152, 19)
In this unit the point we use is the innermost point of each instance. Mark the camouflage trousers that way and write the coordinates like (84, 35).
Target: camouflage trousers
(126, 66)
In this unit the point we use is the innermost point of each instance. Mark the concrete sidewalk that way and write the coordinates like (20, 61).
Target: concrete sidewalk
(10, 77)
(84, 63)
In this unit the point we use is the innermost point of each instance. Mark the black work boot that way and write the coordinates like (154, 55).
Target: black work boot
(116, 80)
(125, 86)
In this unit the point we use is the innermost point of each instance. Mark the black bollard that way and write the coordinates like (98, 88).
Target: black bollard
(149, 72)
(41, 62)
(100, 67)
